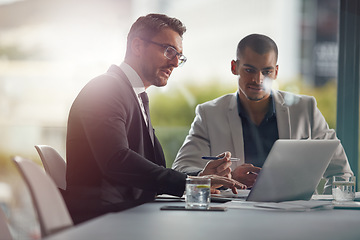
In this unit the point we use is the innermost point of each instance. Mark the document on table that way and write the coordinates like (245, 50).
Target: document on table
(242, 195)
(347, 205)
(237, 201)
(330, 197)
(299, 205)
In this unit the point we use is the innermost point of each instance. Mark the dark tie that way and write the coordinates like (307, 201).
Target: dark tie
(145, 100)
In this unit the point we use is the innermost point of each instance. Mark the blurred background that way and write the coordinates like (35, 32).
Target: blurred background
(49, 49)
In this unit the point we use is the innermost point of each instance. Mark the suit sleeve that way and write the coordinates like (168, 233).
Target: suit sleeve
(196, 145)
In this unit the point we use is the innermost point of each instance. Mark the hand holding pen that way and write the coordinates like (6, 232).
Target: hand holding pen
(219, 166)
(236, 160)
(217, 158)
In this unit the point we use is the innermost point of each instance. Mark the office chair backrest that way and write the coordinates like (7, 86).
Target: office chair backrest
(4, 228)
(54, 164)
(49, 205)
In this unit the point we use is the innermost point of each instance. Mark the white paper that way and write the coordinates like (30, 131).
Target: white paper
(330, 197)
(296, 205)
(300, 205)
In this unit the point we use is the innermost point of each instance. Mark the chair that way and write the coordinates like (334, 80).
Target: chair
(54, 164)
(49, 205)
(4, 229)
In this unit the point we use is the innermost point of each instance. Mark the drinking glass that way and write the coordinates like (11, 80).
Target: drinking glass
(343, 188)
(197, 193)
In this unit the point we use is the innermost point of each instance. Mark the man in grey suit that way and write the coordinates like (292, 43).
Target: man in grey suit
(248, 122)
(114, 160)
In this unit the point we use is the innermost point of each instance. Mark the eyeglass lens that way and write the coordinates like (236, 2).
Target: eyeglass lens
(171, 53)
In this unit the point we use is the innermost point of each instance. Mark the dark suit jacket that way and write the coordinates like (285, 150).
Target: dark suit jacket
(111, 161)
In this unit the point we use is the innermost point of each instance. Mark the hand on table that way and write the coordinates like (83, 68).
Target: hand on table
(220, 181)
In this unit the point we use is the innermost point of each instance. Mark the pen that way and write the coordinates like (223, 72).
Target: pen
(216, 158)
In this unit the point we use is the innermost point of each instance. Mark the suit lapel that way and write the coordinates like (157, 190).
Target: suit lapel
(158, 154)
(236, 128)
(282, 116)
(118, 73)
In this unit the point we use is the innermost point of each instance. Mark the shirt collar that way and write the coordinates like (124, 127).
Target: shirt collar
(133, 77)
(272, 111)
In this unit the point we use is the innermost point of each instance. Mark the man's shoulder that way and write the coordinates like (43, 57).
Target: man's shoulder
(113, 74)
(104, 88)
(108, 82)
(220, 101)
(289, 98)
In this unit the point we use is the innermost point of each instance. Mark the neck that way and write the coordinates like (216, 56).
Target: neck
(256, 109)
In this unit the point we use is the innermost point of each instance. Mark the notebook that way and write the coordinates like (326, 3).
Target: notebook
(292, 170)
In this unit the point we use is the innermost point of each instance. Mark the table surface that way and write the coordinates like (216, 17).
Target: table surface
(149, 222)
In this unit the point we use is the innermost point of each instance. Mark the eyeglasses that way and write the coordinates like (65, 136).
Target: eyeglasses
(170, 52)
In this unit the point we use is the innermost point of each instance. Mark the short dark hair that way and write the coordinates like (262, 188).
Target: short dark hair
(146, 27)
(259, 43)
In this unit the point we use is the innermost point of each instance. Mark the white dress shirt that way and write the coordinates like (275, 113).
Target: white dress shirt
(136, 83)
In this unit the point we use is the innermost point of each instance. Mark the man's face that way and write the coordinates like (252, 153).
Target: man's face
(256, 73)
(155, 67)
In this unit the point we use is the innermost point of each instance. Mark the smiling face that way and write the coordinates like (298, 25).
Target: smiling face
(256, 73)
(154, 67)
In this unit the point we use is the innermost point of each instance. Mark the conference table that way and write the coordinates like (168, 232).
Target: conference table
(148, 222)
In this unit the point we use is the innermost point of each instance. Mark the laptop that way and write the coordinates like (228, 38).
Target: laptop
(292, 170)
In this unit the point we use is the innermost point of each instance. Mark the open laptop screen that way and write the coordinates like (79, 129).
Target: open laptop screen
(292, 170)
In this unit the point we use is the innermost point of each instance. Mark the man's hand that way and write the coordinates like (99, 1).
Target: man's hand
(220, 167)
(219, 181)
(246, 173)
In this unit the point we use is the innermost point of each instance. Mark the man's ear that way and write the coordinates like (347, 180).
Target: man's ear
(276, 71)
(234, 67)
(136, 46)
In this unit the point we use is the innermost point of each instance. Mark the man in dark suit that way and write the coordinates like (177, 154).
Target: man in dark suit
(114, 160)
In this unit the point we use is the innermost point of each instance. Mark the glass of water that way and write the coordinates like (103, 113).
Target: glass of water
(197, 192)
(343, 188)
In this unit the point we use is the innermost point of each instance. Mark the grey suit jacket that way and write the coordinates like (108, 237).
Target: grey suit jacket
(217, 128)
